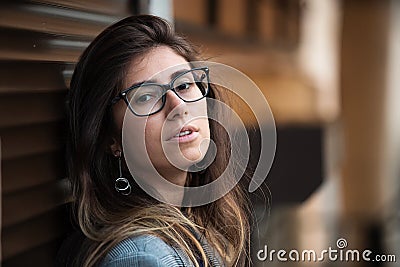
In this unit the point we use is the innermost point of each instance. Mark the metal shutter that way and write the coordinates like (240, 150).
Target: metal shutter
(39, 43)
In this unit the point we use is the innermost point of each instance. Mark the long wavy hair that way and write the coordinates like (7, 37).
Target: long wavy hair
(106, 217)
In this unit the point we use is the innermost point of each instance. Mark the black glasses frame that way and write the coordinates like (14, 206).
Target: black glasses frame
(166, 87)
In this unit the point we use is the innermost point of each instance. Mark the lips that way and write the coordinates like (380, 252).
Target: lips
(182, 132)
(187, 132)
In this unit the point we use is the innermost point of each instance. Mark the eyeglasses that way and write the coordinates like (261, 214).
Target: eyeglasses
(148, 98)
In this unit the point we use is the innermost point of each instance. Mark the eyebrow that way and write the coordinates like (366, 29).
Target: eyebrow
(172, 76)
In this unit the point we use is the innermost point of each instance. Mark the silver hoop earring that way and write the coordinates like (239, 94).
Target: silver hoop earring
(122, 184)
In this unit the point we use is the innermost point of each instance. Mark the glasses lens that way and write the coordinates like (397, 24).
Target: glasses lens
(192, 85)
(146, 99)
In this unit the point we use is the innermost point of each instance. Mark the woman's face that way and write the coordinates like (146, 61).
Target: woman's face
(156, 135)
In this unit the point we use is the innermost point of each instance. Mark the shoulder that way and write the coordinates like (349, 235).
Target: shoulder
(143, 250)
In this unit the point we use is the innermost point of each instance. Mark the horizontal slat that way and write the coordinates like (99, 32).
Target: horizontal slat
(31, 139)
(30, 45)
(19, 109)
(40, 42)
(53, 19)
(116, 7)
(22, 173)
(33, 77)
(40, 230)
(44, 255)
(23, 205)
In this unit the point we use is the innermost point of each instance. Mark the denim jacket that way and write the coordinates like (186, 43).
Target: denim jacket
(143, 250)
(151, 251)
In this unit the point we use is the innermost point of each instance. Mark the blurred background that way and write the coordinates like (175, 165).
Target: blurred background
(328, 68)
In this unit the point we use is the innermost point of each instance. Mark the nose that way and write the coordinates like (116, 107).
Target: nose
(175, 107)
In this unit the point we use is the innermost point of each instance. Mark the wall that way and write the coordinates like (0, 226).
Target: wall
(40, 42)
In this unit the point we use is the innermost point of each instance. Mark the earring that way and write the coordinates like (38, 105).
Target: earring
(122, 184)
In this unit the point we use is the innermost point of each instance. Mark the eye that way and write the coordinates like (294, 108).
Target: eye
(144, 98)
(183, 86)
(184, 83)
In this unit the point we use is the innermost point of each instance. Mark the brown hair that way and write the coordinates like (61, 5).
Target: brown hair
(106, 217)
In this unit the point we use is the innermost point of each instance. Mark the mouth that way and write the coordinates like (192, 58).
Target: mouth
(185, 134)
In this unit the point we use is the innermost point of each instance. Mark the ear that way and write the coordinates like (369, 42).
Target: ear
(115, 146)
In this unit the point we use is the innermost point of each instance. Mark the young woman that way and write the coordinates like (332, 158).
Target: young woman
(122, 224)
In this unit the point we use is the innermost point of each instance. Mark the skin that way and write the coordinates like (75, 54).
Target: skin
(151, 135)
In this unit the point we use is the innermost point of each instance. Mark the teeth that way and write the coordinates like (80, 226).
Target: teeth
(183, 133)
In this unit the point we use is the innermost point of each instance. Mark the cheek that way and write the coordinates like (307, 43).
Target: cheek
(205, 136)
(140, 137)
(198, 109)
(152, 137)
(204, 124)
(133, 136)
(143, 132)
(142, 143)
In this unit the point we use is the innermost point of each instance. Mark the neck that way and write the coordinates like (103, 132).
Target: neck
(177, 177)
(173, 175)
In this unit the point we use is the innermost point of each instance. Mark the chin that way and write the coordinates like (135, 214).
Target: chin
(193, 158)
(186, 159)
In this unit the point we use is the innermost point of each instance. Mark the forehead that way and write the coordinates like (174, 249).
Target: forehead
(158, 64)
